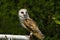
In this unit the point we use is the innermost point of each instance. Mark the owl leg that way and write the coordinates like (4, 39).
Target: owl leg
(31, 34)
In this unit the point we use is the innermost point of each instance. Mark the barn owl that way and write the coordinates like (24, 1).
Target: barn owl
(29, 24)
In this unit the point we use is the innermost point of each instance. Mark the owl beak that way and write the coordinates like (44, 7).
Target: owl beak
(25, 16)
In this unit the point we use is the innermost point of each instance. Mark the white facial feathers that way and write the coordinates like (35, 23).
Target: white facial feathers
(23, 13)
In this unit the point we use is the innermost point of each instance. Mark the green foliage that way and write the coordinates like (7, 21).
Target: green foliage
(56, 19)
(44, 12)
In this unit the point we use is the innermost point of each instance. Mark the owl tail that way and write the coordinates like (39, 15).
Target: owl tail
(39, 35)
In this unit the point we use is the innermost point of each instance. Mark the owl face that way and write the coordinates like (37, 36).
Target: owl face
(23, 14)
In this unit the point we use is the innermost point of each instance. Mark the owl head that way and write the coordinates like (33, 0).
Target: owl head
(23, 14)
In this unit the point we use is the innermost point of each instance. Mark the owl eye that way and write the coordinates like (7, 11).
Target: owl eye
(22, 12)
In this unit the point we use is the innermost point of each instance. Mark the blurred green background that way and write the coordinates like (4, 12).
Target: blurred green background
(46, 13)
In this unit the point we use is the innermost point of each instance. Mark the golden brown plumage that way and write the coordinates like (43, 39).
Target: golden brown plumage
(32, 27)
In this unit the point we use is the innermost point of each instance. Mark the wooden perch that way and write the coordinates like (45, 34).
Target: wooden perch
(24, 37)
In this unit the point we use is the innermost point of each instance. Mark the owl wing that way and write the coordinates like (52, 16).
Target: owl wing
(31, 25)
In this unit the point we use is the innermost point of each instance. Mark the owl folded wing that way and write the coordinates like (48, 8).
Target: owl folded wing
(31, 25)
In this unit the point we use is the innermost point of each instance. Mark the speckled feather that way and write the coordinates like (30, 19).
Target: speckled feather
(32, 27)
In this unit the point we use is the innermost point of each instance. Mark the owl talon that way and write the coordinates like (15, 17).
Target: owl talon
(30, 34)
